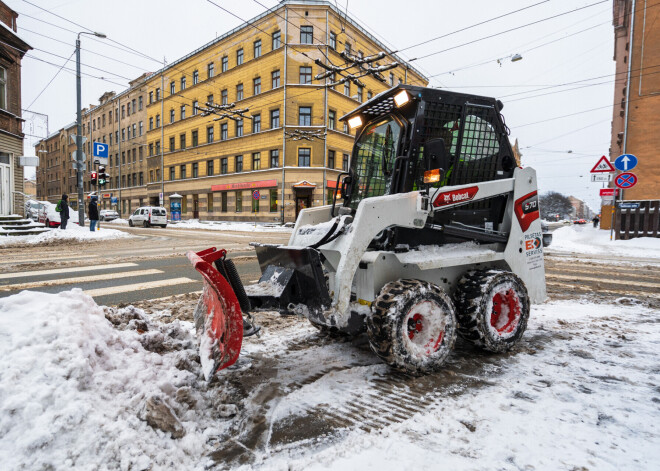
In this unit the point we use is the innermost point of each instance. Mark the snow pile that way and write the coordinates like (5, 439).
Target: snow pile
(218, 225)
(76, 392)
(587, 240)
(73, 232)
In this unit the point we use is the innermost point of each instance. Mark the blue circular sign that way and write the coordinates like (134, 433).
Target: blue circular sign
(255, 194)
(625, 162)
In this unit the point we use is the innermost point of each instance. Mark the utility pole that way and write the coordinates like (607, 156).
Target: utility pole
(79, 137)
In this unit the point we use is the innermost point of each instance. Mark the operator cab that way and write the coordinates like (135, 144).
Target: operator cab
(417, 139)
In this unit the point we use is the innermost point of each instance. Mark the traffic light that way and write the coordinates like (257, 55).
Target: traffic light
(93, 178)
(103, 177)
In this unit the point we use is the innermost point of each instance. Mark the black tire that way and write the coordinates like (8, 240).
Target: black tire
(130, 223)
(164, 226)
(402, 336)
(145, 223)
(480, 297)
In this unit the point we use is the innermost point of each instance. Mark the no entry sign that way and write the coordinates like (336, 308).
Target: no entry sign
(625, 180)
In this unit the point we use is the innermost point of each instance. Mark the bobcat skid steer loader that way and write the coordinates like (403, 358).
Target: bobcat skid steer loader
(434, 232)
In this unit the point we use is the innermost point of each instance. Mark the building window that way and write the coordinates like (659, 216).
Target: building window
(123, 131)
(172, 146)
(225, 64)
(257, 48)
(304, 155)
(239, 92)
(239, 201)
(183, 83)
(135, 127)
(359, 93)
(369, 95)
(210, 70)
(209, 134)
(195, 170)
(183, 111)
(195, 77)
(128, 110)
(256, 161)
(195, 138)
(157, 150)
(223, 132)
(344, 163)
(331, 159)
(345, 124)
(332, 116)
(305, 116)
(141, 128)
(182, 171)
(239, 128)
(157, 94)
(171, 115)
(239, 56)
(347, 88)
(141, 152)
(172, 87)
(223, 165)
(151, 100)
(277, 39)
(333, 40)
(209, 168)
(273, 201)
(305, 75)
(275, 78)
(139, 105)
(274, 118)
(195, 108)
(182, 141)
(257, 85)
(141, 180)
(306, 35)
(347, 48)
(224, 96)
(209, 202)
(151, 176)
(157, 121)
(223, 201)
(274, 158)
(256, 123)
(238, 167)
(209, 100)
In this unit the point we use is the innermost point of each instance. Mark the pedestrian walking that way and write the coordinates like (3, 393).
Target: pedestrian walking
(596, 220)
(63, 208)
(93, 212)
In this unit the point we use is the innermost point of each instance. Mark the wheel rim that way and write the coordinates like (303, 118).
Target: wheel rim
(506, 311)
(425, 325)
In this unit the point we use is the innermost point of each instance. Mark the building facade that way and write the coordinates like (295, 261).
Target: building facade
(274, 144)
(635, 120)
(12, 50)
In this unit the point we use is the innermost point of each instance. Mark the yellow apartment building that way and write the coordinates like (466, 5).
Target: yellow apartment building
(248, 162)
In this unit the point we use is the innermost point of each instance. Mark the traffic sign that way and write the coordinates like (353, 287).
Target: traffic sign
(256, 195)
(609, 191)
(624, 205)
(601, 177)
(100, 150)
(625, 180)
(625, 162)
(603, 165)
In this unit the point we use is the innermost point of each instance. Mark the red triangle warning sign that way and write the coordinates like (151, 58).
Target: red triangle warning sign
(603, 165)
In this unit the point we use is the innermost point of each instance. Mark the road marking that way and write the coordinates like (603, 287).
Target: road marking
(79, 280)
(627, 294)
(619, 271)
(641, 284)
(41, 258)
(58, 271)
(138, 286)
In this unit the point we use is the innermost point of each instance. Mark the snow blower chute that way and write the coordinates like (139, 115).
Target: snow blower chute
(438, 235)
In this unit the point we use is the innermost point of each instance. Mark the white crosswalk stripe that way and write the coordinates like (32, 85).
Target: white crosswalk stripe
(79, 280)
(138, 286)
(59, 271)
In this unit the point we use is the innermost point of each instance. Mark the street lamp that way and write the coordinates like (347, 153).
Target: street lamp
(79, 143)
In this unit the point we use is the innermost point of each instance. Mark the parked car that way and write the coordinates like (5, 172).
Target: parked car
(547, 235)
(108, 215)
(51, 218)
(32, 208)
(580, 221)
(148, 216)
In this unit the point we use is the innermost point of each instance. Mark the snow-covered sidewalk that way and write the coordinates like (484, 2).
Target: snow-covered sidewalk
(80, 390)
(586, 240)
(73, 232)
(218, 225)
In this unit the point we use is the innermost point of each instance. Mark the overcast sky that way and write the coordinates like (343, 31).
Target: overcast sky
(574, 47)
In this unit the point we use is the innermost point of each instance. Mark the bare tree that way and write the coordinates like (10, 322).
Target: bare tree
(555, 206)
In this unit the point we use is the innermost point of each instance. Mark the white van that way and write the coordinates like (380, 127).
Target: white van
(148, 216)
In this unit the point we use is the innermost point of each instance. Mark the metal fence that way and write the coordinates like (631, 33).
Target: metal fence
(637, 219)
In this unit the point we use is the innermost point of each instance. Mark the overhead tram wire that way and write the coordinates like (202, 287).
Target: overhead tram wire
(50, 81)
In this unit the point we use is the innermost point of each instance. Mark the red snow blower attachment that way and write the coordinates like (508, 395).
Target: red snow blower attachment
(218, 316)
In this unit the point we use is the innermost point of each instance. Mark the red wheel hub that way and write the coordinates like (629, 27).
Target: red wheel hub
(419, 332)
(506, 311)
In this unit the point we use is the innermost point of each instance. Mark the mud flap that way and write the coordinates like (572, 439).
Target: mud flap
(218, 315)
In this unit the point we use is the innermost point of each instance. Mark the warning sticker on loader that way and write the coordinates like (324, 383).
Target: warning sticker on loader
(533, 247)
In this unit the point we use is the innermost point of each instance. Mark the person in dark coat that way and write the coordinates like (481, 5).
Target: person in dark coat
(93, 213)
(64, 211)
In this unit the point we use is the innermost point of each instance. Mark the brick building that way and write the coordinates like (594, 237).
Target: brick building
(12, 50)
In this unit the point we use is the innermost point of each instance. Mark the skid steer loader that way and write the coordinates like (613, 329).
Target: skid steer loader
(434, 232)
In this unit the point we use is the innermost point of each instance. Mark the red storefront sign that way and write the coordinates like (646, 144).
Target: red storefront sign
(608, 191)
(244, 185)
